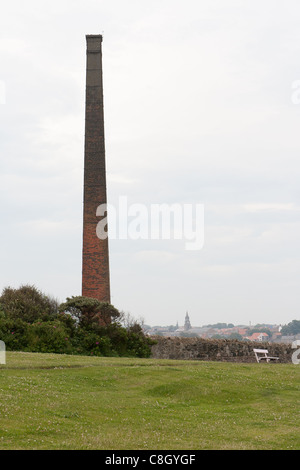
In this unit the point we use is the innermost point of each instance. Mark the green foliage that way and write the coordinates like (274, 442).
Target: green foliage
(14, 333)
(27, 303)
(88, 342)
(50, 337)
(88, 310)
(292, 328)
(138, 344)
(220, 326)
(235, 336)
(30, 321)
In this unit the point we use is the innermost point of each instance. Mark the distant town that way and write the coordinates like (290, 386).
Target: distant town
(258, 333)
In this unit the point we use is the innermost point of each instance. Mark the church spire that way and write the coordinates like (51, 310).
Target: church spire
(187, 323)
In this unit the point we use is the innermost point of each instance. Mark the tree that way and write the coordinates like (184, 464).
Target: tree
(220, 326)
(27, 303)
(235, 336)
(292, 328)
(88, 311)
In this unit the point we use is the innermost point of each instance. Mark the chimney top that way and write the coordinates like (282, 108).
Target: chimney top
(88, 36)
(93, 42)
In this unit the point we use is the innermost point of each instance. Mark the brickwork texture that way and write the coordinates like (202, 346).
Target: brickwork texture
(95, 253)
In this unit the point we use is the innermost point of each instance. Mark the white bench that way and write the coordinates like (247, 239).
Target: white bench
(262, 354)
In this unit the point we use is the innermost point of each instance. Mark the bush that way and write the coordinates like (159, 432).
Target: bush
(27, 303)
(48, 337)
(292, 328)
(14, 333)
(88, 342)
(87, 311)
(31, 321)
(138, 343)
(56, 337)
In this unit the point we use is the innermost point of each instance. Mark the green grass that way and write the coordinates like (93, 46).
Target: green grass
(53, 401)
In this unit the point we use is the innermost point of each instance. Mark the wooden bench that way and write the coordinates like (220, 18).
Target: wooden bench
(262, 354)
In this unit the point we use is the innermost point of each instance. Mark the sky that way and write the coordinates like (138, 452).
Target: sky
(201, 106)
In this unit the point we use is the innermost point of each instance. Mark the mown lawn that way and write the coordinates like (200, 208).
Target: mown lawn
(53, 401)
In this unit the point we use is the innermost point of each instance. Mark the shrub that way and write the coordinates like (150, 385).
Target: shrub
(138, 343)
(88, 310)
(27, 303)
(31, 321)
(50, 337)
(14, 333)
(90, 342)
(292, 328)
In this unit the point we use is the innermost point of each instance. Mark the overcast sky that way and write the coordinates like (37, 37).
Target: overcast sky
(201, 106)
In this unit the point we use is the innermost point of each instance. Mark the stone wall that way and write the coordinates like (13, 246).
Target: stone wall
(215, 349)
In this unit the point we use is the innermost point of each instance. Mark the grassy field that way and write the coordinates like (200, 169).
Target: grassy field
(72, 402)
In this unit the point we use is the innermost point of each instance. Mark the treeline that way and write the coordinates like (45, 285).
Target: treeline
(33, 321)
(292, 328)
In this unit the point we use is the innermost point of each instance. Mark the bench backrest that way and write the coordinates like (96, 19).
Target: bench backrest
(260, 351)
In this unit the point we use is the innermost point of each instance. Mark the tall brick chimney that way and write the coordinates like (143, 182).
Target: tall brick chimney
(95, 256)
